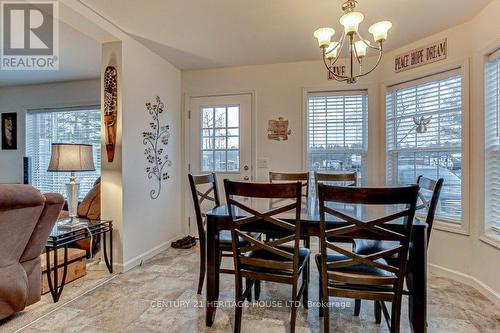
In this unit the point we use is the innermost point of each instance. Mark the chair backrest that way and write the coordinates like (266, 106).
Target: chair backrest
(375, 229)
(53, 205)
(433, 186)
(303, 177)
(349, 178)
(244, 218)
(203, 188)
(20, 210)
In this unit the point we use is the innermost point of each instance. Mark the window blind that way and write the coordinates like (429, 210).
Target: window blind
(437, 153)
(71, 125)
(492, 141)
(337, 129)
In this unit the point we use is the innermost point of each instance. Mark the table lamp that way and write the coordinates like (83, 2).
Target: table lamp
(68, 157)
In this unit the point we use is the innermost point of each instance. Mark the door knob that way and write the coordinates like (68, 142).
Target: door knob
(245, 168)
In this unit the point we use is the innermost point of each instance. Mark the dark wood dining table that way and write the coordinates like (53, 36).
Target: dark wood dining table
(416, 278)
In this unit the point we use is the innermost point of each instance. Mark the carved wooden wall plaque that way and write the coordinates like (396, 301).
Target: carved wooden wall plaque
(110, 109)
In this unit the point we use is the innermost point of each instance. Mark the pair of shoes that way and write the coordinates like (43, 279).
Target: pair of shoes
(184, 243)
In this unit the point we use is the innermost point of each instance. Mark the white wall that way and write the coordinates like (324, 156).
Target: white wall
(22, 98)
(279, 92)
(149, 225)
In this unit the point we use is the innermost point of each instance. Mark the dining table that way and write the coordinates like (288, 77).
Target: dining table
(218, 219)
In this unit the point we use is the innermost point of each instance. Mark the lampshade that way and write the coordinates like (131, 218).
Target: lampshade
(67, 157)
(360, 48)
(351, 21)
(332, 50)
(324, 36)
(379, 30)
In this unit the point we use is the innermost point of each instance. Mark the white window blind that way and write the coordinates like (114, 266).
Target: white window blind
(76, 125)
(337, 130)
(437, 153)
(492, 141)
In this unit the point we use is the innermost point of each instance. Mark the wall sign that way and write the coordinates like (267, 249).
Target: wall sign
(278, 129)
(422, 56)
(338, 70)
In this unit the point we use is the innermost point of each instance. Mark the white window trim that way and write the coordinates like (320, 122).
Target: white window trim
(486, 235)
(368, 89)
(442, 223)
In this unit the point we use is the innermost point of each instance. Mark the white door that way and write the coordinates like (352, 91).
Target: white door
(220, 139)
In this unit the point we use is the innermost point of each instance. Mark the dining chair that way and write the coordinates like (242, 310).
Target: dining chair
(272, 261)
(346, 178)
(303, 177)
(344, 273)
(204, 190)
(283, 177)
(426, 202)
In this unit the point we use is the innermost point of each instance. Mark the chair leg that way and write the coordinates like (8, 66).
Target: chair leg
(203, 257)
(293, 316)
(320, 289)
(325, 311)
(378, 312)
(357, 307)
(257, 290)
(305, 281)
(248, 284)
(238, 308)
(396, 315)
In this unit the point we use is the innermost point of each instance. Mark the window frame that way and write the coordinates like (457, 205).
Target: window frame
(462, 65)
(91, 106)
(486, 235)
(361, 90)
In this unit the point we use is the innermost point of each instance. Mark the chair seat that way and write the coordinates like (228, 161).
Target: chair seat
(263, 254)
(225, 238)
(356, 269)
(366, 247)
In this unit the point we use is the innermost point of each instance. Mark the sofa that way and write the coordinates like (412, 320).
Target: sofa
(26, 220)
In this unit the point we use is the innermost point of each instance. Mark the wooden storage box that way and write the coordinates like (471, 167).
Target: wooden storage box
(77, 266)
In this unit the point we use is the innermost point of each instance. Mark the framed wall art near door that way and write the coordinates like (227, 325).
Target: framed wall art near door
(9, 131)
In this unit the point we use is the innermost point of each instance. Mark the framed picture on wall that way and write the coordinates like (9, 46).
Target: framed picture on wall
(9, 131)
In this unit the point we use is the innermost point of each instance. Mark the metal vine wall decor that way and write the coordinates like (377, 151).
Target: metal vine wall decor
(156, 141)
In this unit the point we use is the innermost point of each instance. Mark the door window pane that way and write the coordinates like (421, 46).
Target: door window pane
(220, 138)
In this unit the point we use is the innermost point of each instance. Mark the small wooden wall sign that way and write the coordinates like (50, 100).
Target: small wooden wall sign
(278, 129)
(339, 70)
(422, 56)
(110, 109)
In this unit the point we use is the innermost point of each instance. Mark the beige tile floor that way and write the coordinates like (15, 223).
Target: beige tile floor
(160, 296)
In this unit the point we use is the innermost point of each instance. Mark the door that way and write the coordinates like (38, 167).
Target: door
(220, 140)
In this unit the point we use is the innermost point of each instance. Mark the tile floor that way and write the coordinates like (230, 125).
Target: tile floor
(160, 296)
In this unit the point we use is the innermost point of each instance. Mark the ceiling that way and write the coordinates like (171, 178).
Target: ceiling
(197, 34)
(79, 59)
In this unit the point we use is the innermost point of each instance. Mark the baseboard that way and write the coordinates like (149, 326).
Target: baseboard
(137, 260)
(484, 289)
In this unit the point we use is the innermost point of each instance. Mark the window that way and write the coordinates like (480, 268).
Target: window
(337, 130)
(44, 127)
(433, 150)
(492, 141)
(220, 146)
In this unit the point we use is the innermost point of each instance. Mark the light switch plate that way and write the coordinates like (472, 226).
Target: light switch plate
(263, 163)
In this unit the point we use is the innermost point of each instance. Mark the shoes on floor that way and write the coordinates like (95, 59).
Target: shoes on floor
(184, 243)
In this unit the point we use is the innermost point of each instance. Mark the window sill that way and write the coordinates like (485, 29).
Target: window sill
(448, 226)
(491, 237)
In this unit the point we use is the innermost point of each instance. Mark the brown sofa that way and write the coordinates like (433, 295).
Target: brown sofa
(26, 219)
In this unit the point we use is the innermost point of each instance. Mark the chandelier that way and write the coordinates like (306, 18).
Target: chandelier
(357, 44)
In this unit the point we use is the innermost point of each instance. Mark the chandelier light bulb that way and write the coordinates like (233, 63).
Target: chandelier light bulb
(379, 30)
(332, 50)
(324, 36)
(351, 22)
(360, 48)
